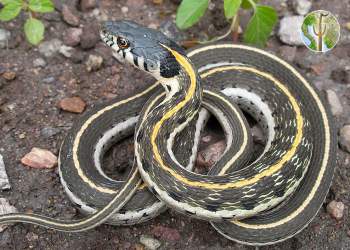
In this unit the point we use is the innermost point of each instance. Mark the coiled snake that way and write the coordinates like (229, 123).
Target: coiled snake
(254, 202)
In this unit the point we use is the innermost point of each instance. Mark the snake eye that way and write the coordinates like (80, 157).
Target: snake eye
(122, 43)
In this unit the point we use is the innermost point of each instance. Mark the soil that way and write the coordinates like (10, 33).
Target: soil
(30, 117)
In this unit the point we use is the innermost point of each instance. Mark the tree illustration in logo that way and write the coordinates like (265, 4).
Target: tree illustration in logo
(320, 31)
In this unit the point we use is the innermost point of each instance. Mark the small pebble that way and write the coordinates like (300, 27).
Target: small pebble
(71, 37)
(139, 247)
(69, 17)
(90, 37)
(336, 209)
(39, 158)
(318, 68)
(72, 104)
(341, 76)
(210, 155)
(125, 9)
(289, 30)
(32, 236)
(9, 75)
(6, 208)
(258, 134)
(4, 38)
(66, 51)
(149, 242)
(4, 180)
(94, 63)
(334, 102)
(166, 233)
(77, 57)
(302, 7)
(347, 25)
(49, 79)
(207, 138)
(135, 4)
(288, 52)
(344, 138)
(39, 62)
(49, 132)
(86, 5)
(49, 48)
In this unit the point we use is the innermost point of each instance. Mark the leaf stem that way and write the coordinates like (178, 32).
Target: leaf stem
(233, 27)
(253, 4)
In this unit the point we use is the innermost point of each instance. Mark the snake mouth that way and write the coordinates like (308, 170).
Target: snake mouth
(107, 37)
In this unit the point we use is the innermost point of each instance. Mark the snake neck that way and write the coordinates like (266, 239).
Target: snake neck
(183, 94)
(182, 103)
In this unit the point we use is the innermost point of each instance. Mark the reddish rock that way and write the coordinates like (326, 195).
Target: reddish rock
(39, 158)
(210, 155)
(71, 36)
(69, 17)
(336, 209)
(72, 104)
(166, 233)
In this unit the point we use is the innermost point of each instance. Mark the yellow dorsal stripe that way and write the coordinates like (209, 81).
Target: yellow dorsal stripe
(268, 172)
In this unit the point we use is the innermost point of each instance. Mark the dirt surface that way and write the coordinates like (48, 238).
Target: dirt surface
(30, 117)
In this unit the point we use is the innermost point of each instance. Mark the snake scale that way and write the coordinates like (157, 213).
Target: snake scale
(252, 201)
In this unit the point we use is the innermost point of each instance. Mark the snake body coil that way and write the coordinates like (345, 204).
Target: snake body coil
(257, 202)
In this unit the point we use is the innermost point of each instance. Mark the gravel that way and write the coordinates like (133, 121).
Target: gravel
(336, 209)
(4, 38)
(334, 102)
(28, 105)
(302, 7)
(6, 208)
(344, 139)
(50, 48)
(39, 62)
(94, 63)
(86, 5)
(69, 17)
(289, 31)
(71, 36)
(4, 180)
(149, 242)
(90, 37)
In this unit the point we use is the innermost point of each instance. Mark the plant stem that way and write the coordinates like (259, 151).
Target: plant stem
(253, 4)
(233, 27)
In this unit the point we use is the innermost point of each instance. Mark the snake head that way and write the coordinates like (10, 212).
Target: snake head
(145, 48)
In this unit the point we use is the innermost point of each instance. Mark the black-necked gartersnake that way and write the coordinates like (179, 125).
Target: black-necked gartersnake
(260, 202)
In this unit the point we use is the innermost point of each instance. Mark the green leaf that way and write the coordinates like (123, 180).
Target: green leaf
(41, 5)
(34, 30)
(4, 2)
(189, 12)
(231, 7)
(246, 4)
(10, 10)
(260, 25)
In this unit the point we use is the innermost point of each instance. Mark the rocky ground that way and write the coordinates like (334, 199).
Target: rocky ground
(43, 88)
